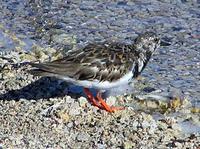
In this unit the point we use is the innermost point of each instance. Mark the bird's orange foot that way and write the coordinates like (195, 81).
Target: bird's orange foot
(100, 103)
(91, 98)
(105, 106)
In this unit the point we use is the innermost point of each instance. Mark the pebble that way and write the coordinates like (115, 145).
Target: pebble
(82, 101)
(53, 28)
(74, 109)
(82, 137)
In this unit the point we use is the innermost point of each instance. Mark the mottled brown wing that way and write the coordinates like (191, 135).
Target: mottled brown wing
(101, 62)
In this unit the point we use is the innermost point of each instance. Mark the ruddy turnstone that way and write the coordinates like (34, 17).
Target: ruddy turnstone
(102, 66)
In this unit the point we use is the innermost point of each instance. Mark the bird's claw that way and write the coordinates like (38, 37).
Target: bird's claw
(100, 103)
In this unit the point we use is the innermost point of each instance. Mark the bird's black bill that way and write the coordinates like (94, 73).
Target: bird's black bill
(164, 43)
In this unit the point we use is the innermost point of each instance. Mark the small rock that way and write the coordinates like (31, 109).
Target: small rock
(63, 115)
(64, 39)
(178, 144)
(128, 145)
(74, 109)
(82, 101)
(111, 100)
(101, 146)
(83, 137)
(70, 125)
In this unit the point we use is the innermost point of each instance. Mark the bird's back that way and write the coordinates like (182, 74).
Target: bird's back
(99, 62)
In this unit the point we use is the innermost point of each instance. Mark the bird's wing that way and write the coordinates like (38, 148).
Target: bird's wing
(94, 62)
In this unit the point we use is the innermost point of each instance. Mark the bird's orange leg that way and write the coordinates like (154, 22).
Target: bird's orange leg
(91, 98)
(105, 106)
(100, 103)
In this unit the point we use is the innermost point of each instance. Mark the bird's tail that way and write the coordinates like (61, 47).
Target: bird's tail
(40, 70)
(53, 69)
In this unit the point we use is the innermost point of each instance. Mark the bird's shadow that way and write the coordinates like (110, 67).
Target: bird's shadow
(44, 88)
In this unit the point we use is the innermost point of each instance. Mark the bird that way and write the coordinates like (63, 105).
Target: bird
(102, 66)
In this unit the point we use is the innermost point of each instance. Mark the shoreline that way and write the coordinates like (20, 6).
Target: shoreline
(43, 115)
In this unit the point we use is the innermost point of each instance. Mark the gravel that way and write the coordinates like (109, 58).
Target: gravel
(162, 112)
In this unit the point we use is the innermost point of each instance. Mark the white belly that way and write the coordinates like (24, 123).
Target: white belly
(101, 85)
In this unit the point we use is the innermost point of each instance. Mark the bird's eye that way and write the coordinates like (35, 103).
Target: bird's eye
(156, 39)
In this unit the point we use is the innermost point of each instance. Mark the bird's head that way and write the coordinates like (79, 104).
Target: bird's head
(147, 42)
